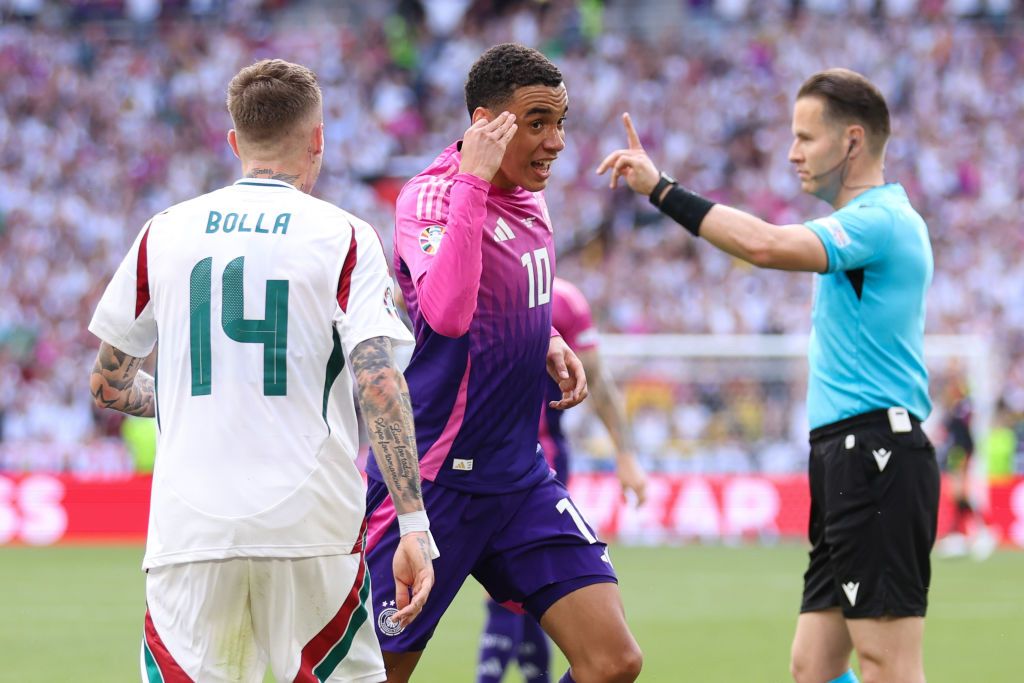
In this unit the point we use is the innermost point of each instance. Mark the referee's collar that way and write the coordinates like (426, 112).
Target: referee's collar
(265, 182)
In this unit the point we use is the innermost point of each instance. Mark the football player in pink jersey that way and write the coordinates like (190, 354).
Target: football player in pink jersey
(509, 635)
(475, 261)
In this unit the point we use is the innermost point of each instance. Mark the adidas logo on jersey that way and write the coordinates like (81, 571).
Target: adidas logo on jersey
(502, 232)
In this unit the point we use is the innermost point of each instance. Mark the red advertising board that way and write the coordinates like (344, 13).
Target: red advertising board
(43, 509)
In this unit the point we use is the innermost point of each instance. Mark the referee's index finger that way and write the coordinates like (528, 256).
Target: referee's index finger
(634, 139)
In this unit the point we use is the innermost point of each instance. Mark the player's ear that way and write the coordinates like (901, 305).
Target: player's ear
(481, 113)
(316, 144)
(233, 142)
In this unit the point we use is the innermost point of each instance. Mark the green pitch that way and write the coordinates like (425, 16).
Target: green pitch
(701, 614)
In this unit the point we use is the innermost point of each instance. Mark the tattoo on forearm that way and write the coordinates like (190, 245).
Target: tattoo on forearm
(387, 410)
(141, 395)
(272, 174)
(118, 384)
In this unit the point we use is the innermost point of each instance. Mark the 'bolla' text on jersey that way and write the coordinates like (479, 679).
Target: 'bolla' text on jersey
(257, 293)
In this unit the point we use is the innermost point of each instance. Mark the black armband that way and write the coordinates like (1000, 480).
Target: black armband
(686, 208)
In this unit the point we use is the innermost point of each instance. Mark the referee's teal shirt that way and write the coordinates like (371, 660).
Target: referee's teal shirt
(867, 339)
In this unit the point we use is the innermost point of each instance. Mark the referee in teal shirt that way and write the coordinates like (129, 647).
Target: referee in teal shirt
(873, 476)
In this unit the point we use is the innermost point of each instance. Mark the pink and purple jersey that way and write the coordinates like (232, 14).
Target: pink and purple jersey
(571, 318)
(475, 263)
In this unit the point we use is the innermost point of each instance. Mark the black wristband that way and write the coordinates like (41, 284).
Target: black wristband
(664, 182)
(686, 208)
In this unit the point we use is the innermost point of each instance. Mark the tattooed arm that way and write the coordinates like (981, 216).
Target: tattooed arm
(609, 406)
(387, 411)
(117, 383)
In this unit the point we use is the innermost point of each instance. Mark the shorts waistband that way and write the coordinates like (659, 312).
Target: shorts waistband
(870, 419)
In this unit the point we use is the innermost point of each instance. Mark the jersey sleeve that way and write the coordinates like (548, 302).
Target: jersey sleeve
(124, 317)
(571, 316)
(438, 236)
(853, 237)
(366, 298)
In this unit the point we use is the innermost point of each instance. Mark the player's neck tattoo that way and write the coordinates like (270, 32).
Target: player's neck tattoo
(260, 172)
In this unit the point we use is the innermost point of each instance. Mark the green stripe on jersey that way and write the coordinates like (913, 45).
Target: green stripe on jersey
(153, 674)
(245, 182)
(335, 364)
(337, 653)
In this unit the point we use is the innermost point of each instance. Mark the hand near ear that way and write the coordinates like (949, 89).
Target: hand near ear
(483, 145)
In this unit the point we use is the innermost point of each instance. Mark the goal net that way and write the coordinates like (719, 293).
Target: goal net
(736, 403)
(720, 424)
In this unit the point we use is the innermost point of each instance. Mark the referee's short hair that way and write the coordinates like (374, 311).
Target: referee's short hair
(499, 71)
(268, 99)
(851, 98)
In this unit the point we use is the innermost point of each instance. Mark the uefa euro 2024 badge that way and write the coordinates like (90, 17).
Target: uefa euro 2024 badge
(430, 239)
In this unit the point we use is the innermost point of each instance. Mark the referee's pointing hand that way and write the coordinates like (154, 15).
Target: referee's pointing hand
(631, 163)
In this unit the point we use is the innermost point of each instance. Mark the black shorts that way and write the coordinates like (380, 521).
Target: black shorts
(874, 509)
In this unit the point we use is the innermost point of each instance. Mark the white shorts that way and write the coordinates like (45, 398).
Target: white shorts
(227, 620)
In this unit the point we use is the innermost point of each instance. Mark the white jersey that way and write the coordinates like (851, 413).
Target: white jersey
(257, 293)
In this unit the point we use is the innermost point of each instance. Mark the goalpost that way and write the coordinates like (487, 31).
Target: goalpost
(720, 423)
(774, 368)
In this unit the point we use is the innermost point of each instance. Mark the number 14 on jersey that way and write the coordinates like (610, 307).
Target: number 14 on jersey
(271, 331)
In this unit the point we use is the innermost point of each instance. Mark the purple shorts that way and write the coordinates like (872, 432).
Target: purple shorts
(529, 548)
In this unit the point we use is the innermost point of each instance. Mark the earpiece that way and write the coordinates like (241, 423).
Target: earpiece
(841, 164)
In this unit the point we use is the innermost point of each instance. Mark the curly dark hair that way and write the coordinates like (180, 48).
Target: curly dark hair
(498, 72)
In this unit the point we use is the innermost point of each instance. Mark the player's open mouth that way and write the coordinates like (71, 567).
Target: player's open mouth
(543, 168)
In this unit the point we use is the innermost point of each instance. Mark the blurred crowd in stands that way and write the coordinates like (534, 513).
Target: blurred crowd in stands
(114, 110)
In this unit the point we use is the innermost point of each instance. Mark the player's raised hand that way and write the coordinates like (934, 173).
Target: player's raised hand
(484, 143)
(414, 572)
(631, 163)
(631, 477)
(567, 371)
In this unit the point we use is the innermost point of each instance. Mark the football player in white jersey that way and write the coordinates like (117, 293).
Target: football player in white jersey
(259, 295)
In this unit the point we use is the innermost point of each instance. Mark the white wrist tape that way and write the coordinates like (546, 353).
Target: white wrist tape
(413, 521)
(418, 521)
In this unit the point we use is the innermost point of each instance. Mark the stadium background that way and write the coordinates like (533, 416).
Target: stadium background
(113, 110)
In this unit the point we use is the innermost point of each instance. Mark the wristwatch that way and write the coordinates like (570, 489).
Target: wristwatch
(663, 182)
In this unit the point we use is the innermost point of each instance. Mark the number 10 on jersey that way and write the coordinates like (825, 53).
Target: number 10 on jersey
(538, 276)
